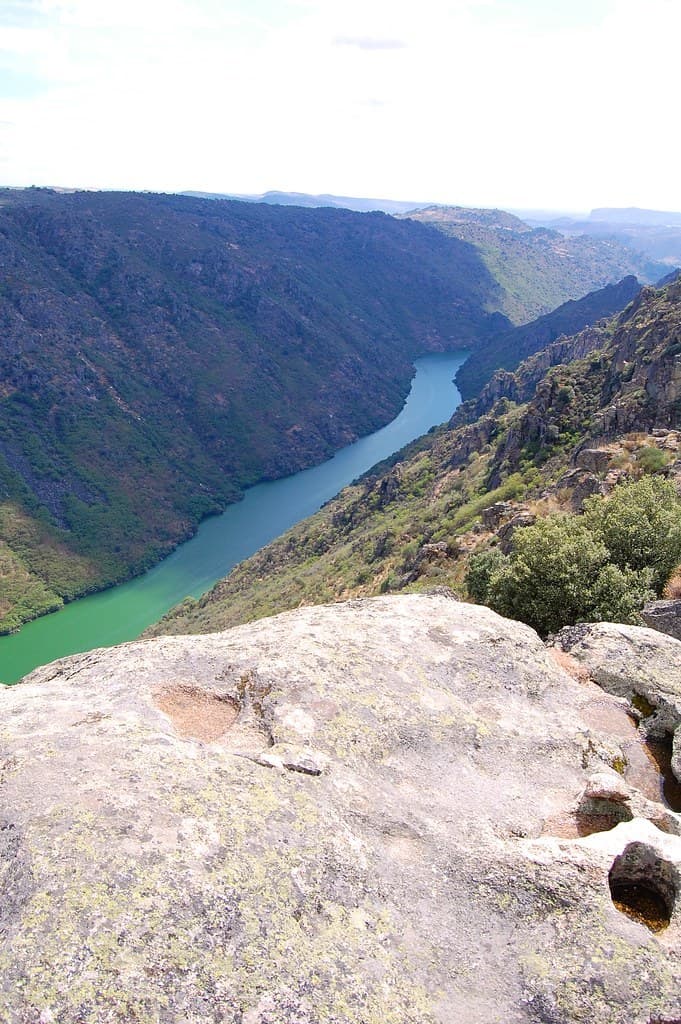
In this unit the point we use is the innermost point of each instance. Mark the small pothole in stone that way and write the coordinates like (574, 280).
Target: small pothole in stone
(642, 705)
(600, 815)
(642, 903)
(642, 886)
(660, 753)
(195, 713)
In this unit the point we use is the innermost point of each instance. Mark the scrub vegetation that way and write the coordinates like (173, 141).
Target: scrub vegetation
(558, 503)
(160, 353)
(602, 565)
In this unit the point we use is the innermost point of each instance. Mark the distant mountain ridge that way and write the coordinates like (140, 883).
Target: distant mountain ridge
(535, 267)
(635, 215)
(359, 205)
(655, 233)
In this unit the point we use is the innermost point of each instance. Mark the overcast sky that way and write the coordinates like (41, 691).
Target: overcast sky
(564, 104)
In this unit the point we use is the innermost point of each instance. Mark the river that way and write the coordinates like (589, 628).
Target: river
(267, 510)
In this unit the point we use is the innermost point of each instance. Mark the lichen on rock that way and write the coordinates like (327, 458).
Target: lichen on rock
(358, 814)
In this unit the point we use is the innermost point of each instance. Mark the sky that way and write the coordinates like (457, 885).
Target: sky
(541, 104)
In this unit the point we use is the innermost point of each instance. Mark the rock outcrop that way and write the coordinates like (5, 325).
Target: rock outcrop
(633, 662)
(396, 810)
(664, 616)
(639, 664)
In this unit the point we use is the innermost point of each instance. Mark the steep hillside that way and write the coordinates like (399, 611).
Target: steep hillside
(158, 353)
(538, 440)
(537, 269)
(509, 348)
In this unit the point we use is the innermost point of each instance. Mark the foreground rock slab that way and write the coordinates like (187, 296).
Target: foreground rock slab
(397, 811)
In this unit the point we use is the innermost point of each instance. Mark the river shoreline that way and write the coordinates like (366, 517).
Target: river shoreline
(120, 612)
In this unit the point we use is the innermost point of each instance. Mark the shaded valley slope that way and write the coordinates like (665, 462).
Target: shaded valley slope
(574, 420)
(159, 353)
(507, 349)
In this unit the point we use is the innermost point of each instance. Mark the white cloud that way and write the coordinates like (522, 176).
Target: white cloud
(370, 42)
(476, 101)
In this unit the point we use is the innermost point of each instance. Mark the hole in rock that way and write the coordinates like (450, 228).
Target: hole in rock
(600, 816)
(642, 705)
(195, 713)
(660, 753)
(642, 886)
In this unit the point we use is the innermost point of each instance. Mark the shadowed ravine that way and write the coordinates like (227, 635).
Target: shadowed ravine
(121, 613)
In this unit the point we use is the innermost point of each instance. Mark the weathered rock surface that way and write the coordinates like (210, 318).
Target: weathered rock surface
(372, 812)
(664, 616)
(632, 662)
(595, 460)
(639, 664)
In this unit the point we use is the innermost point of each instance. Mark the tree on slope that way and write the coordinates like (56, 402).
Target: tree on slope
(602, 565)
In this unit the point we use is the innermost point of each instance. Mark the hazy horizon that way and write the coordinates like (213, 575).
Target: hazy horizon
(522, 213)
(515, 104)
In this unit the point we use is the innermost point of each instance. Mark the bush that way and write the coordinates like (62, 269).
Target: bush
(652, 460)
(640, 524)
(604, 564)
(481, 567)
(549, 578)
(559, 572)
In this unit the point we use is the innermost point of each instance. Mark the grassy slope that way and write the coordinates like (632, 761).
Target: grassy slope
(537, 270)
(374, 537)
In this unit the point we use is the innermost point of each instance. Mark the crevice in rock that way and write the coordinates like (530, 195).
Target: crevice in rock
(660, 752)
(642, 705)
(657, 746)
(253, 693)
(643, 887)
(600, 815)
(195, 713)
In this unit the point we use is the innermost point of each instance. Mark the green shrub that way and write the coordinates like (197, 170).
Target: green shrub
(640, 524)
(481, 567)
(619, 594)
(549, 578)
(559, 573)
(604, 564)
(652, 460)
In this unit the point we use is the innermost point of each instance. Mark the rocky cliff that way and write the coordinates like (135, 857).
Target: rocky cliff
(402, 810)
(507, 349)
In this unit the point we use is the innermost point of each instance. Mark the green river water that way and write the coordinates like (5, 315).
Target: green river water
(267, 510)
